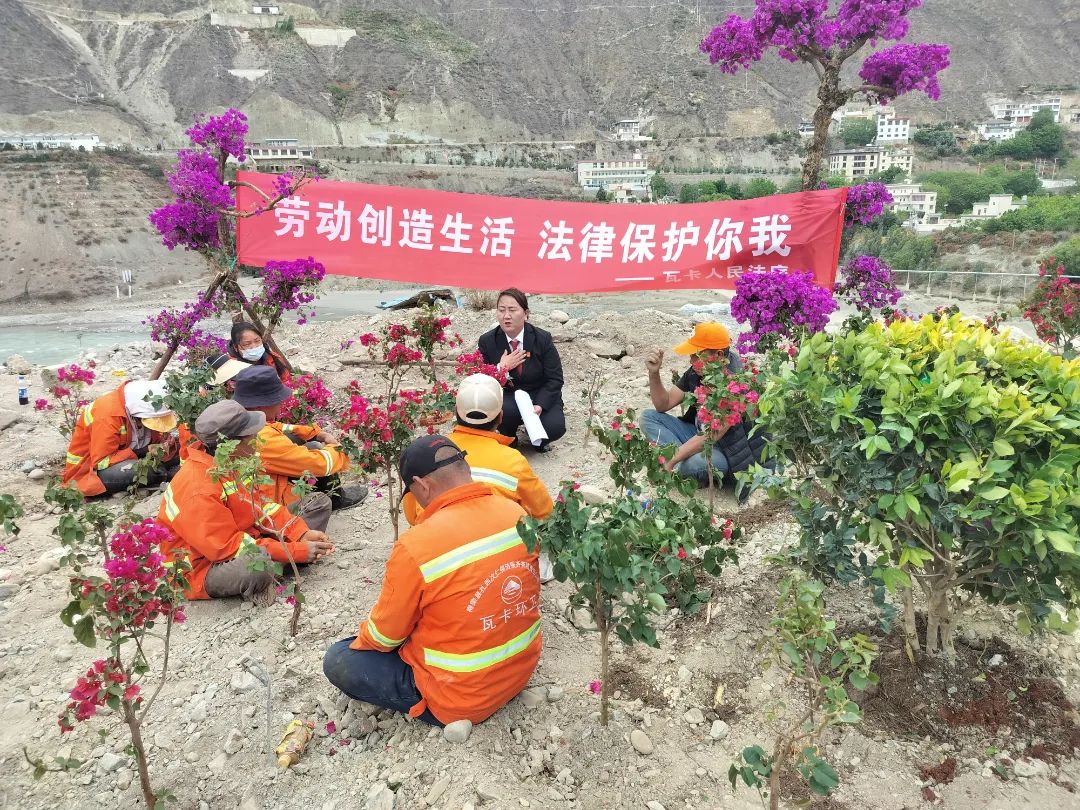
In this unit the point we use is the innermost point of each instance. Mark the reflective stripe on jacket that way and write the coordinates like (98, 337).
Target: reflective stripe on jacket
(493, 462)
(283, 460)
(461, 598)
(101, 438)
(213, 520)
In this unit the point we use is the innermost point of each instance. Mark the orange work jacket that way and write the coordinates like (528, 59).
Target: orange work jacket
(493, 462)
(283, 460)
(461, 599)
(212, 521)
(101, 438)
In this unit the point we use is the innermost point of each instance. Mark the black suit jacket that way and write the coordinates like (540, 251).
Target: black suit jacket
(541, 373)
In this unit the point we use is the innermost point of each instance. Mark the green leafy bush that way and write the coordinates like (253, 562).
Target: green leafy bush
(945, 453)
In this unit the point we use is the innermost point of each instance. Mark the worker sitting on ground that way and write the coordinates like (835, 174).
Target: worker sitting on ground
(258, 388)
(455, 633)
(221, 526)
(489, 456)
(113, 432)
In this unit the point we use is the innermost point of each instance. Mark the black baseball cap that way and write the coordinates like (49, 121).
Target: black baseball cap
(419, 457)
(260, 387)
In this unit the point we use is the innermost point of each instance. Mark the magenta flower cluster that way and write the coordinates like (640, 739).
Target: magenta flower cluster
(178, 326)
(203, 197)
(865, 203)
(868, 285)
(804, 29)
(779, 306)
(903, 68)
(292, 285)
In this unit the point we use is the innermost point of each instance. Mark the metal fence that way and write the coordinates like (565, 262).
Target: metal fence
(973, 285)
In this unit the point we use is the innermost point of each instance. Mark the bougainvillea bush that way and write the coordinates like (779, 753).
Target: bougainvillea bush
(1054, 309)
(138, 597)
(867, 284)
(943, 451)
(805, 31)
(66, 394)
(310, 402)
(632, 557)
(780, 309)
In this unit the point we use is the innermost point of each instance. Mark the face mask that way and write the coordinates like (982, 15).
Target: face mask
(252, 355)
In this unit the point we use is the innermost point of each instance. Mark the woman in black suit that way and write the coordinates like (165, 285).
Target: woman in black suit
(533, 363)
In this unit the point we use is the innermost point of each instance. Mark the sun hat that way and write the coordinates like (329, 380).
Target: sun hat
(260, 387)
(230, 419)
(479, 399)
(226, 367)
(708, 335)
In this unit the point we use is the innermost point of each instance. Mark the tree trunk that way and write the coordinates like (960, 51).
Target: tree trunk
(140, 753)
(911, 630)
(605, 682)
(170, 349)
(940, 620)
(830, 99)
(394, 502)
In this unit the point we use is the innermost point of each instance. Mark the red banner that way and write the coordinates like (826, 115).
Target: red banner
(542, 246)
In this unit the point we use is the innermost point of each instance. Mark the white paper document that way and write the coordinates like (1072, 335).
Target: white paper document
(533, 426)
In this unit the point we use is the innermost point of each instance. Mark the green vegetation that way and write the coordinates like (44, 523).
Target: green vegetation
(414, 33)
(1041, 138)
(759, 187)
(660, 187)
(858, 132)
(958, 191)
(1059, 213)
(1067, 254)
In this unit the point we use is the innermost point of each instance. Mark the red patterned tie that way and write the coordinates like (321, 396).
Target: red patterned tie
(514, 345)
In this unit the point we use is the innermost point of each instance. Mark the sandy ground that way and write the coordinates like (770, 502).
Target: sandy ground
(555, 755)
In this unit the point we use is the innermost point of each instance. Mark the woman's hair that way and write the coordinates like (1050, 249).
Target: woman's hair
(517, 295)
(237, 330)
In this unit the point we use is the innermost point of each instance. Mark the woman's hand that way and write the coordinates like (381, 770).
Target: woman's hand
(512, 359)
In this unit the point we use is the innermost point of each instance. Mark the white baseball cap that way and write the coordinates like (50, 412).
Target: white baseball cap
(479, 399)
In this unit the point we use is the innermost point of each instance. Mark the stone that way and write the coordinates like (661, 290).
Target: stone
(8, 591)
(47, 562)
(655, 805)
(458, 731)
(488, 793)
(436, 791)
(380, 797)
(9, 418)
(684, 674)
(36, 474)
(1028, 768)
(234, 743)
(534, 697)
(641, 742)
(197, 713)
(243, 682)
(17, 364)
(996, 660)
(110, 762)
(719, 730)
(124, 777)
(218, 764)
(62, 654)
(555, 694)
(27, 466)
(250, 803)
(605, 349)
(694, 717)
(592, 495)
(558, 316)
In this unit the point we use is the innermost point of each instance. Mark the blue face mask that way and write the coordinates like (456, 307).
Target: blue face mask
(253, 355)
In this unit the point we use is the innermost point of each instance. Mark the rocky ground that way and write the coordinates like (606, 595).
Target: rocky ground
(681, 711)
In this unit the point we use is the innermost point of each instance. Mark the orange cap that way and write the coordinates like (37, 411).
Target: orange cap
(710, 335)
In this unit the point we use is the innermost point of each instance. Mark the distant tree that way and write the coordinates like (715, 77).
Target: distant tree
(1020, 147)
(804, 31)
(689, 193)
(1046, 141)
(759, 187)
(1041, 120)
(1068, 255)
(893, 174)
(602, 196)
(659, 187)
(858, 131)
(1021, 184)
(939, 135)
(965, 188)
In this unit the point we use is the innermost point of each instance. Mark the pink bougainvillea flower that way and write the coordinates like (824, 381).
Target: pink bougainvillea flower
(595, 686)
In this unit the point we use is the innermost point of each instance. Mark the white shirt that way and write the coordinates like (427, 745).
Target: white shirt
(519, 337)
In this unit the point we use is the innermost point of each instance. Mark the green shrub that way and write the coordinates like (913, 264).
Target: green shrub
(946, 454)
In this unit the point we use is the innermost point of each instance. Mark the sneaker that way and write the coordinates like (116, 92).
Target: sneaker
(349, 496)
(547, 571)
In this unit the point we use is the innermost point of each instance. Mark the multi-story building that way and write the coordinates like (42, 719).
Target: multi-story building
(913, 199)
(258, 8)
(867, 160)
(891, 128)
(1021, 112)
(997, 205)
(79, 141)
(998, 129)
(596, 174)
(629, 129)
(279, 154)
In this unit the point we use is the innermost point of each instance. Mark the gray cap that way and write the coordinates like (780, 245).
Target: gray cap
(229, 419)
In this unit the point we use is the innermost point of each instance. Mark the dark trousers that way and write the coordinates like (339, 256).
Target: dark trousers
(119, 477)
(379, 678)
(553, 419)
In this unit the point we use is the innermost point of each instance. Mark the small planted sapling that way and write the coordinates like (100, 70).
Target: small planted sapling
(631, 555)
(803, 642)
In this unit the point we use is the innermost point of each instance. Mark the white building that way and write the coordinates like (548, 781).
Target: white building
(629, 129)
(913, 199)
(997, 205)
(81, 142)
(258, 9)
(892, 129)
(279, 148)
(806, 129)
(998, 129)
(601, 174)
(867, 160)
(1021, 112)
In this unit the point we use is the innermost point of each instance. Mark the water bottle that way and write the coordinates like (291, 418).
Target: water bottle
(24, 390)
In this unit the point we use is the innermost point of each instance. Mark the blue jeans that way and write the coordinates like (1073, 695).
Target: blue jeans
(382, 679)
(663, 428)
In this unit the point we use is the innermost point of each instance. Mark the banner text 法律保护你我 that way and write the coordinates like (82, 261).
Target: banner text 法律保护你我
(474, 240)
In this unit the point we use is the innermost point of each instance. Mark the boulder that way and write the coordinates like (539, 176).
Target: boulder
(605, 349)
(16, 364)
